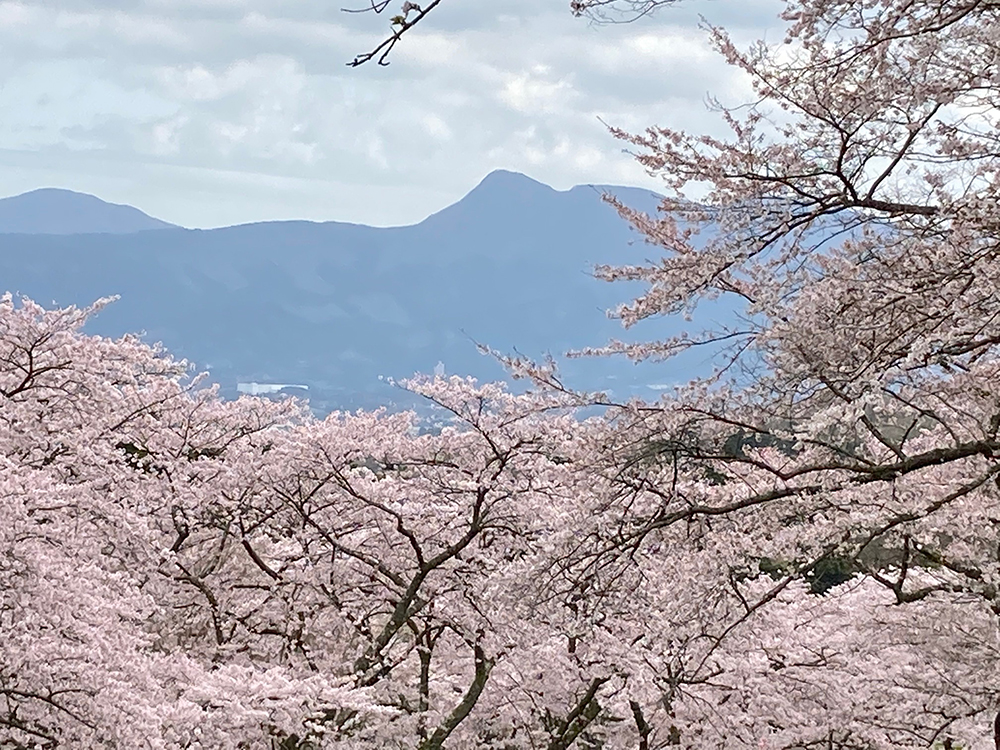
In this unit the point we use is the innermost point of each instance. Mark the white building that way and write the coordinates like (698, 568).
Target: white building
(258, 389)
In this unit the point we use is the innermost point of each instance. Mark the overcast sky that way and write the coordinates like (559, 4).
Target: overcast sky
(215, 112)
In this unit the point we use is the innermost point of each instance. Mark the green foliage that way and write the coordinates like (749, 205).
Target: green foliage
(831, 571)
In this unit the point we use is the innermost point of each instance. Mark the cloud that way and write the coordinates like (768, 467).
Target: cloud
(435, 127)
(207, 112)
(537, 91)
(13, 15)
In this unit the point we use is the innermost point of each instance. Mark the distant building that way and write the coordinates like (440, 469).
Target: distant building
(261, 389)
(439, 370)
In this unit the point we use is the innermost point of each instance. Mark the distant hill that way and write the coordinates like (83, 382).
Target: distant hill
(334, 306)
(58, 211)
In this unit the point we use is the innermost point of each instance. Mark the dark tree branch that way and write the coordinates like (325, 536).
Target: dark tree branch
(400, 25)
(464, 708)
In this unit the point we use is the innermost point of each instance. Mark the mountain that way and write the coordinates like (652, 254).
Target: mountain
(57, 211)
(334, 306)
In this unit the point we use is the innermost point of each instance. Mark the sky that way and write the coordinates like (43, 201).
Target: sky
(209, 113)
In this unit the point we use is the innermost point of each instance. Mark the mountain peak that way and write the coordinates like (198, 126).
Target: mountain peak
(497, 198)
(508, 180)
(61, 211)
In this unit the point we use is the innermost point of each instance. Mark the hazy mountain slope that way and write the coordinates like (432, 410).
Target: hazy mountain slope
(337, 305)
(57, 211)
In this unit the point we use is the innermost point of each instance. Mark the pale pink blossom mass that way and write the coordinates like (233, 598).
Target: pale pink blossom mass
(802, 551)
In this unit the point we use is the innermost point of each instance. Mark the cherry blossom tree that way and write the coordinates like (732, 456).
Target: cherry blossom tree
(850, 430)
(800, 551)
(181, 572)
(99, 437)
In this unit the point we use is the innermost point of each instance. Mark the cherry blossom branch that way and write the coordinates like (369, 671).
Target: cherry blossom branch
(602, 11)
(401, 23)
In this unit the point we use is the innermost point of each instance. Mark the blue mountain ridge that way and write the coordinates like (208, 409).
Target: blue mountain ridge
(58, 211)
(336, 305)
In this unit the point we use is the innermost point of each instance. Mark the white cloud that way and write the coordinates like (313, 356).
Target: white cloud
(165, 134)
(15, 14)
(71, 20)
(436, 127)
(264, 75)
(433, 51)
(213, 111)
(146, 30)
(375, 150)
(537, 91)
